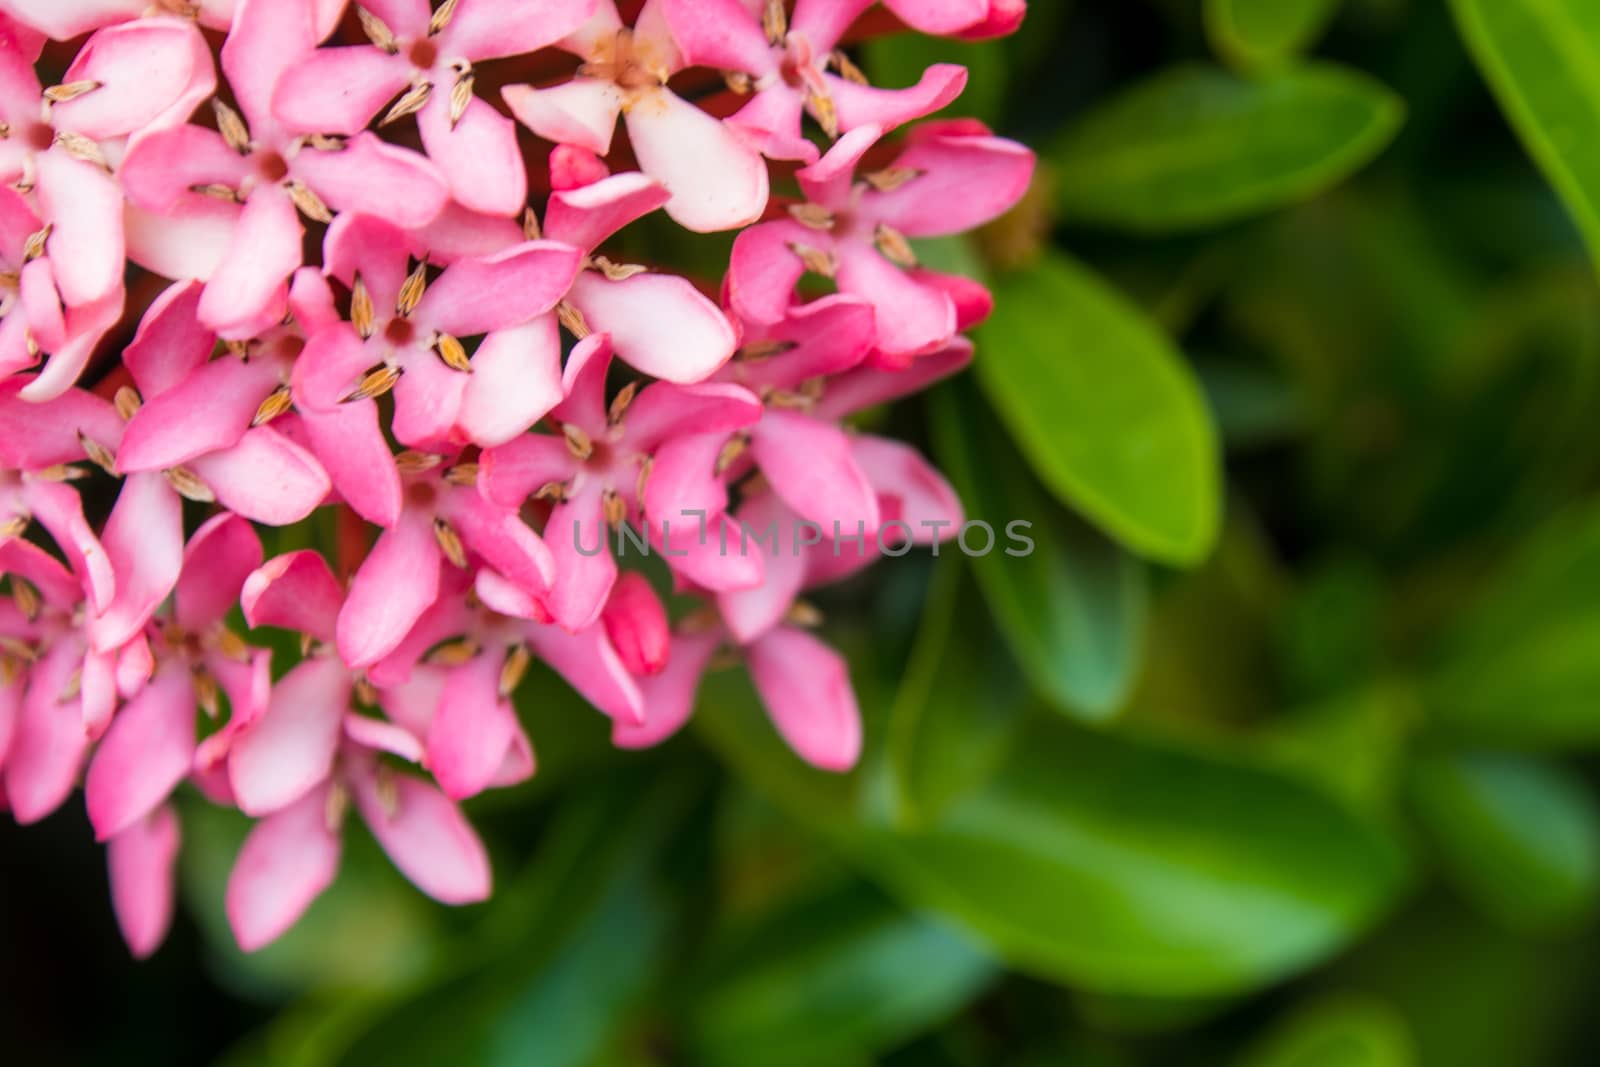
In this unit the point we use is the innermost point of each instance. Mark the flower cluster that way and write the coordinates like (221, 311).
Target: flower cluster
(251, 274)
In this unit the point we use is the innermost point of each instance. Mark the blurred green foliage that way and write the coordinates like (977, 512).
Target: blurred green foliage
(1277, 752)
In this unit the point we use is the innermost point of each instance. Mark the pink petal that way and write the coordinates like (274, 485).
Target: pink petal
(390, 592)
(289, 749)
(265, 477)
(504, 541)
(490, 29)
(515, 382)
(578, 538)
(162, 167)
(339, 90)
(286, 862)
(475, 296)
(152, 72)
(141, 862)
(143, 756)
(86, 326)
(500, 596)
(349, 443)
(964, 180)
(668, 696)
(209, 410)
(664, 411)
(11, 694)
(427, 837)
(39, 302)
(38, 435)
(829, 336)
(592, 667)
(59, 510)
(764, 270)
(144, 540)
(17, 224)
(913, 318)
(381, 736)
(572, 167)
(940, 16)
(370, 177)
(84, 207)
(48, 741)
(330, 366)
(868, 386)
(311, 303)
(62, 21)
(584, 381)
(823, 22)
(135, 666)
(683, 487)
(189, 243)
(806, 688)
(863, 105)
(457, 232)
(479, 155)
(713, 562)
(749, 613)
(27, 560)
(295, 591)
(376, 250)
(268, 38)
(216, 562)
(473, 729)
(265, 250)
(514, 471)
(582, 111)
(427, 402)
(639, 312)
(915, 493)
(720, 34)
(717, 181)
(1004, 17)
(585, 216)
(772, 123)
(636, 623)
(809, 464)
(170, 342)
(98, 685)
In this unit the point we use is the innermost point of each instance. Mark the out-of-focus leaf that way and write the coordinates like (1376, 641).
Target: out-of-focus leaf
(1073, 608)
(1125, 868)
(1337, 1031)
(1353, 745)
(1542, 59)
(1195, 147)
(1265, 34)
(1252, 406)
(840, 973)
(1104, 408)
(1118, 866)
(1520, 665)
(1519, 838)
(960, 705)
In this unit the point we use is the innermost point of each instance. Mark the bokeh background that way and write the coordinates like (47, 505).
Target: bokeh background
(1276, 753)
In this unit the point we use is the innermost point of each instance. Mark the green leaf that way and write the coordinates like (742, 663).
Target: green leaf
(1519, 667)
(829, 977)
(1194, 147)
(1120, 867)
(1265, 34)
(1337, 1031)
(1542, 59)
(1519, 838)
(1104, 408)
(960, 705)
(1073, 610)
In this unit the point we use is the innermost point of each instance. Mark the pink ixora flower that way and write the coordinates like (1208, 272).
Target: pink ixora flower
(717, 180)
(597, 468)
(429, 55)
(787, 64)
(65, 19)
(265, 177)
(410, 334)
(950, 177)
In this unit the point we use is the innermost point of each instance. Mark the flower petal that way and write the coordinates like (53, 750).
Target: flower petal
(668, 696)
(588, 214)
(660, 324)
(473, 729)
(913, 318)
(809, 464)
(582, 111)
(370, 177)
(427, 837)
(209, 410)
(48, 741)
(338, 90)
(83, 205)
(636, 622)
(510, 473)
(285, 863)
(216, 562)
(59, 510)
(515, 382)
(664, 410)
(504, 541)
(717, 181)
(806, 688)
(143, 538)
(267, 39)
(294, 591)
(859, 105)
(577, 536)
(475, 296)
(592, 667)
(143, 756)
(141, 861)
(395, 585)
(289, 749)
(248, 285)
(151, 72)
(349, 443)
(265, 477)
(965, 178)
(720, 34)
(490, 29)
(477, 154)
(170, 343)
